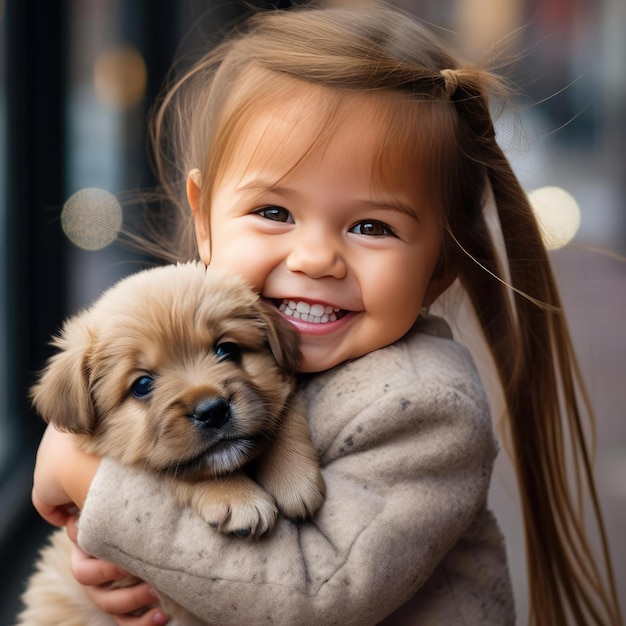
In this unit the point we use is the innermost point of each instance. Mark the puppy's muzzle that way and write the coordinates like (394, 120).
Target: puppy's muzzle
(211, 413)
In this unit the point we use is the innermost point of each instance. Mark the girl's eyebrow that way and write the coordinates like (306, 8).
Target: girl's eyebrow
(393, 203)
(260, 184)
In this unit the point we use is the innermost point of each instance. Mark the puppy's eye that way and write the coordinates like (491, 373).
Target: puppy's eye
(228, 351)
(143, 386)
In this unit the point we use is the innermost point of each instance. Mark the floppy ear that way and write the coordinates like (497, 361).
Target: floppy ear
(61, 396)
(282, 338)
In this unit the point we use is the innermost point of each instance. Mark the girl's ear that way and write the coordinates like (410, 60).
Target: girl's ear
(200, 220)
(438, 284)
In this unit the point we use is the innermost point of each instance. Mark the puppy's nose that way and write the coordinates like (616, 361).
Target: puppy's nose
(212, 412)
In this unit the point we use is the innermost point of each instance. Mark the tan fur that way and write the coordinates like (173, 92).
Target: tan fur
(168, 323)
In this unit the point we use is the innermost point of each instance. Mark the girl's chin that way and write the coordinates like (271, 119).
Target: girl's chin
(319, 358)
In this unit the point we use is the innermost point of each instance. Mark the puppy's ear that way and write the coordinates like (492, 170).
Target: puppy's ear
(282, 338)
(61, 396)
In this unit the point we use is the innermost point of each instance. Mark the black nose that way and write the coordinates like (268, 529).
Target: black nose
(212, 412)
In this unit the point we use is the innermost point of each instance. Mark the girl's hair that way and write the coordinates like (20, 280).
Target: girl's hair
(385, 52)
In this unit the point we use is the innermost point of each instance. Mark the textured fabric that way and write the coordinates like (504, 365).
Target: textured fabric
(407, 448)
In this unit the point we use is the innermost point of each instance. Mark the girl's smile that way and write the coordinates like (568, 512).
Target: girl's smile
(345, 252)
(300, 313)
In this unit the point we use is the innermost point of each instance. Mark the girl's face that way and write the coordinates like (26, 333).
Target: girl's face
(347, 260)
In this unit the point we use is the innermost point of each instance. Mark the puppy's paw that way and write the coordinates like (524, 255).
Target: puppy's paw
(299, 495)
(251, 515)
(232, 504)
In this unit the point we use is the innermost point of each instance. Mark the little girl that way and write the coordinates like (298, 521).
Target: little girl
(340, 161)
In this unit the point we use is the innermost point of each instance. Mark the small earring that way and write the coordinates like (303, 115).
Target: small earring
(424, 312)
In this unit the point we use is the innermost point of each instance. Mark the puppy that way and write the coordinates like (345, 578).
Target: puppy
(183, 371)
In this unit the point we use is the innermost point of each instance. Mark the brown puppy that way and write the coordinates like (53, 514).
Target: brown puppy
(183, 371)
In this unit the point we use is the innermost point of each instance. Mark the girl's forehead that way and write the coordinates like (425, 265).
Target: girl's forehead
(284, 132)
(281, 134)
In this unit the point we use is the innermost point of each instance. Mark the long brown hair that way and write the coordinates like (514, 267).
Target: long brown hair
(516, 301)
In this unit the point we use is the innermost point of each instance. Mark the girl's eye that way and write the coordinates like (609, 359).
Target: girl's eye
(373, 229)
(228, 351)
(276, 214)
(143, 386)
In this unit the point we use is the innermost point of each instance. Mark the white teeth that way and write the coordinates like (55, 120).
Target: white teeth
(313, 313)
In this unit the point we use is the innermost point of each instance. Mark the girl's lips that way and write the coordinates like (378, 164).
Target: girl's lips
(315, 313)
(312, 318)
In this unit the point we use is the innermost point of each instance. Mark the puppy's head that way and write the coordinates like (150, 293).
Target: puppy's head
(178, 369)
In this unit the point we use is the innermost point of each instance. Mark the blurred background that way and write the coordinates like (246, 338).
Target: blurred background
(77, 79)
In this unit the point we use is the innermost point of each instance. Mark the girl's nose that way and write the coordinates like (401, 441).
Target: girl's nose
(317, 255)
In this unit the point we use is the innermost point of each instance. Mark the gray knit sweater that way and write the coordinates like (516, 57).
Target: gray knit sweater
(404, 537)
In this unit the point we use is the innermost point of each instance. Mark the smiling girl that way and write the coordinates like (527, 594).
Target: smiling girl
(340, 161)
(328, 233)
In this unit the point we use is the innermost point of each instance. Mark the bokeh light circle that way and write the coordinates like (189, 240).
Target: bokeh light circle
(120, 77)
(92, 218)
(558, 215)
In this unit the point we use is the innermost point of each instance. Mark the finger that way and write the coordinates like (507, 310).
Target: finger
(90, 571)
(150, 618)
(72, 528)
(55, 515)
(123, 602)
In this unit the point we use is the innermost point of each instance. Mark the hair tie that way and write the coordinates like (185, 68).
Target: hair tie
(450, 81)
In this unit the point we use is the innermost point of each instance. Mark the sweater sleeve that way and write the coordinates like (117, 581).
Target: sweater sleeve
(406, 445)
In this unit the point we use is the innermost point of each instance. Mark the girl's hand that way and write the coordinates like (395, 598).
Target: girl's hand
(62, 477)
(127, 606)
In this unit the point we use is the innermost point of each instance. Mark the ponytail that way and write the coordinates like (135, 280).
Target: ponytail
(543, 388)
